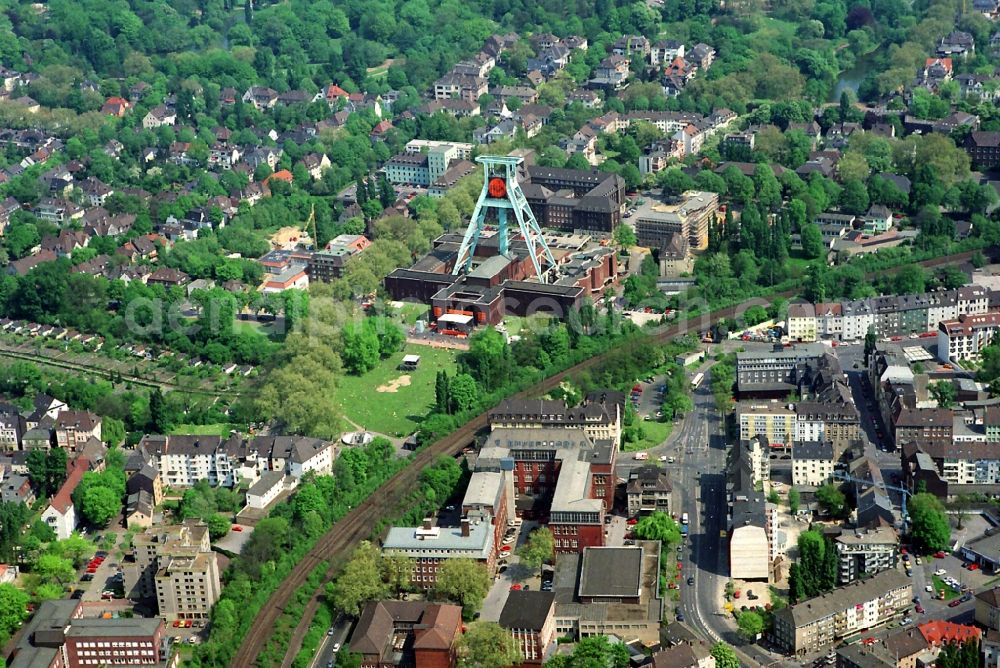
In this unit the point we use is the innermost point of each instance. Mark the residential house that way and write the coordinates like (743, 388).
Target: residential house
(159, 116)
(60, 514)
(612, 73)
(116, 106)
(261, 97)
(812, 463)
(74, 428)
(95, 191)
(316, 164)
(648, 490)
(957, 43)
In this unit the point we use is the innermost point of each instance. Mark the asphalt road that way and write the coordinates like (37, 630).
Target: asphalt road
(326, 656)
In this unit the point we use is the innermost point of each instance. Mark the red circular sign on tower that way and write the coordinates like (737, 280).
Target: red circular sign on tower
(497, 188)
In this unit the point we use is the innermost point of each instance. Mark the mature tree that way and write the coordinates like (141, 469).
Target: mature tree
(944, 393)
(625, 236)
(930, 529)
(812, 241)
(725, 656)
(463, 581)
(53, 568)
(538, 549)
(359, 582)
(751, 625)
(361, 348)
(658, 526)
(488, 645)
(397, 570)
(100, 505)
(76, 548)
(832, 500)
(463, 392)
(870, 340)
(13, 608)
(794, 498)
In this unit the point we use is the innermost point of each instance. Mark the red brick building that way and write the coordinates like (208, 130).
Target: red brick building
(407, 633)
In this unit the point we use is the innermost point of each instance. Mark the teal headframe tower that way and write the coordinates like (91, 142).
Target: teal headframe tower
(502, 194)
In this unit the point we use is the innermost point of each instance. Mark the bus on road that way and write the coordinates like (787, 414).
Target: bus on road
(696, 381)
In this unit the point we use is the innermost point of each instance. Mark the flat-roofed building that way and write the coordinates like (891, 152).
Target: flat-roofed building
(429, 546)
(770, 419)
(609, 591)
(965, 337)
(690, 215)
(865, 552)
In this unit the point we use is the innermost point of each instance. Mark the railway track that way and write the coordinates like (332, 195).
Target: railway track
(357, 525)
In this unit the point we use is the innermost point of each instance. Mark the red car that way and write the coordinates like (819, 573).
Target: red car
(940, 554)
(736, 594)
(631, 521)
(515, 587)
(237, 527)
(973, 567)
(188, 623)
(177, 623)
(505, 548)
(919, 608)
(868, 641)
(954, 604)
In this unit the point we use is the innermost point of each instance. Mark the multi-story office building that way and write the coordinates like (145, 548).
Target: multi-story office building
(176, 565)
(815, 624)
(865, 552)
(599, 416)
(965, 337)
(590, 201)
(772, 420)
(812, 463)
(775, 372)
(430, 546)
(689, 215)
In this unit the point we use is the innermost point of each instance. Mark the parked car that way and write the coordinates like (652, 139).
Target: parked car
(955, 603)
(919, 609)
(690, 581)
(940, 554)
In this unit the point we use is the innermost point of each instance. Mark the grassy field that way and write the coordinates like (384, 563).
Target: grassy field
(656, 433)
(382, 401)
(265, 328)
(217, 429)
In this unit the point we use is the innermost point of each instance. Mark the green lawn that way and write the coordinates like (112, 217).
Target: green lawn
(217, 429)
(656, 433)
(265, 328)
(398, 412)
(939, 584)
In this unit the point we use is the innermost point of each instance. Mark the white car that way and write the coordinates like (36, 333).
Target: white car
(939, 572)
(929, 588)
(663, 458)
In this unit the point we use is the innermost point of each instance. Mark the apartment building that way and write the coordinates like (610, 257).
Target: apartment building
(948, 468)
(772, 420)
(833, 421)
(865, 552)
(964, 337)
(812, 463)
(752, 522)
(183, 460)
(801, 322)
(73, 429)
(889, 315)
(988, 609)
(423, 166)
(176, 566)
(817, 623)
(648, 490)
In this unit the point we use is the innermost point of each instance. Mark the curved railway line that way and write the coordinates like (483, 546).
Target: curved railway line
(357, 525)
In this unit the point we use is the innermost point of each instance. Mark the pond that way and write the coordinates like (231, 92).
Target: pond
(851, 78)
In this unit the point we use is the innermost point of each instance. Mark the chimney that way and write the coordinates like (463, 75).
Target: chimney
(465, 527)
(428, 523)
